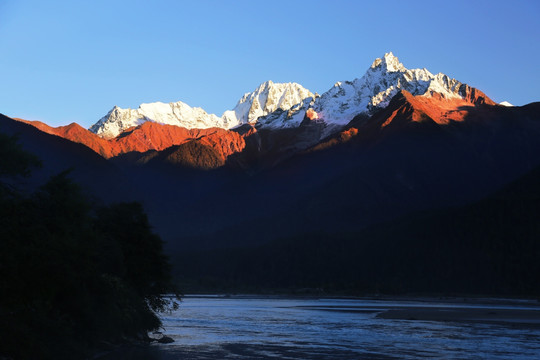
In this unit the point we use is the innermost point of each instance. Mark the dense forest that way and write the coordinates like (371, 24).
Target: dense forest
(491, 247)
(75, 276)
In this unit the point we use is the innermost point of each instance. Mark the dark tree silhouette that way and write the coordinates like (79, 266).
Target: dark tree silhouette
(73, 276)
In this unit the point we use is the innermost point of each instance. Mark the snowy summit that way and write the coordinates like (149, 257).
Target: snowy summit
(269, 97)
(282, 105)
(384, 79)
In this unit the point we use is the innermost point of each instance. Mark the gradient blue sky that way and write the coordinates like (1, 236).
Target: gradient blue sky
(72, 61)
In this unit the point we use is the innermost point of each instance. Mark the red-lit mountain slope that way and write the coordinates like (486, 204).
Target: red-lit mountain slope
(418, 153)
(415, 153)
(148, 136)
(96, 175)
(406, 109)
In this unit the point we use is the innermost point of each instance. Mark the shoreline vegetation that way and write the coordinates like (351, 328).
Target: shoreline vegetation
(75, 276)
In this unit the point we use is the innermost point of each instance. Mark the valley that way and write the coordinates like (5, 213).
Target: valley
(304, 190)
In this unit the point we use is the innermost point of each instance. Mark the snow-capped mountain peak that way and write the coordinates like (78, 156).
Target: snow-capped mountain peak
(268, 98)
(383, 79)
(283, 105)
(177, 113)
(388, 63)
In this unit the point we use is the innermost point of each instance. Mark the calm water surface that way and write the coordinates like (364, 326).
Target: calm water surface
(266, 328)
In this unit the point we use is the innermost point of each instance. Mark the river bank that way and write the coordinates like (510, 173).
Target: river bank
(277, 327)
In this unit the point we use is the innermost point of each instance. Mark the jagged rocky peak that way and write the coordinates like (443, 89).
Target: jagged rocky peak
(266, 99)
(284, 105)
(381, 82)
(388, 62)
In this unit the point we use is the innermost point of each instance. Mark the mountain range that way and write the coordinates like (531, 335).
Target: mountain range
(271, 106)
(277, 106)
(286, 163)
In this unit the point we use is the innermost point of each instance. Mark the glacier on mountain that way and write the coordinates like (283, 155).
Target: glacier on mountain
(284, 105)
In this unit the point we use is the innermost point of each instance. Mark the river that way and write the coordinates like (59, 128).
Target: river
(279, 328)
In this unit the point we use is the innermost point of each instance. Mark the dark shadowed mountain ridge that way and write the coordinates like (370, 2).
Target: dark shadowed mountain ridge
(413, 155)
(488, 247)
(98, 176)
(392, 143)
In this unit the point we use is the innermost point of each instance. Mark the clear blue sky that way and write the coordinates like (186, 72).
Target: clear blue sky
(65, 61)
